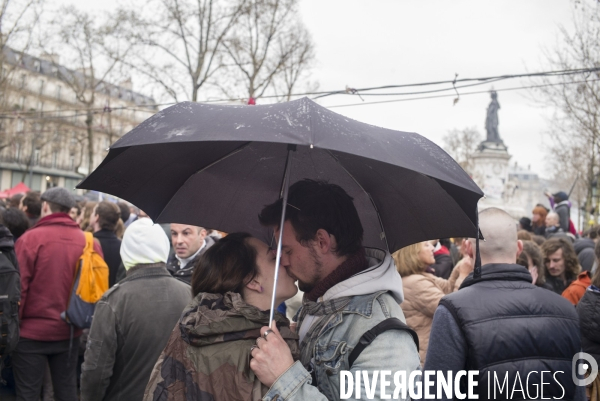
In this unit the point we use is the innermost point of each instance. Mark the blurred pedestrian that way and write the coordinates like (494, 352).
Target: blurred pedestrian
(588, 309)
(15, 200)
(531, 258)
(16, 221)
(561, 266)
(584, 247)
(31, 204)
(525, 224)
(503, 307)
(553, 228)
(104, 220)
(423, 290)
(48, 255)
(524, 235)
(189, 243)
(443, 260)
(133, 320)
(75, 212)
(232, 287)
(538, 220)
(86, 214)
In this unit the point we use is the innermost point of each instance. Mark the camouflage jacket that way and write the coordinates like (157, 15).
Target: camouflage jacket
(208, 353)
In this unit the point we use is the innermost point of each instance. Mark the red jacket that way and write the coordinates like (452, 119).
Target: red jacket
(576, 290)
(48, 254)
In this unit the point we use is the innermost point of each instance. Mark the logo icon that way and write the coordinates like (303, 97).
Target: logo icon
(582, 363)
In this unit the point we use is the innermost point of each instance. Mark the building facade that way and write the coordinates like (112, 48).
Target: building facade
(43, 130)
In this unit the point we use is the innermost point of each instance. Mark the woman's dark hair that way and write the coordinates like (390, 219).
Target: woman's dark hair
(16, 221)
(228, 265)
(314, 205)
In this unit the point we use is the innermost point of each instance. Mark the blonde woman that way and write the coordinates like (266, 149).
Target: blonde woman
(422, 289)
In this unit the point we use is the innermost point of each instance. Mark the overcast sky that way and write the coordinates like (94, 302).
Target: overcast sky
(364, 43)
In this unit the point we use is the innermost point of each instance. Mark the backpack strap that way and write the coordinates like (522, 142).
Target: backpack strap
(383, 326)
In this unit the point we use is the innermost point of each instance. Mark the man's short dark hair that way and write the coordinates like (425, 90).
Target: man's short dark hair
(108, 215)
(56, 208)
(34, 204)
(314, 205)
(16, 221)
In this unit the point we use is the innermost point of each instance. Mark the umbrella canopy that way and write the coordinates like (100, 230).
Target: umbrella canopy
(217, 166)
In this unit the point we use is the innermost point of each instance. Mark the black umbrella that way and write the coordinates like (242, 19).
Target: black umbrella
(217, 166)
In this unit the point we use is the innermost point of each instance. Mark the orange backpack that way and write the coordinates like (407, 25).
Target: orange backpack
(89, 284)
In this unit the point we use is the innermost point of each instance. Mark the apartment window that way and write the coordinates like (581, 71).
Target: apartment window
(37, 66)
(20, 125)
(17, 151)
(54, 159)
(58, 89)
(22, 103)
(41, 86)
(23, 81)
(71, 162)
(73, 138)
(36, 157)
(40, 107)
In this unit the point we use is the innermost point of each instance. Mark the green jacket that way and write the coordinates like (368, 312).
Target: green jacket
(208, 353)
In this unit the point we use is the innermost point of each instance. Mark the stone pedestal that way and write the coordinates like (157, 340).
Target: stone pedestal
(490, 172)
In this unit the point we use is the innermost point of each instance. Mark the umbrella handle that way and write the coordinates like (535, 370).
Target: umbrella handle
(286, 187)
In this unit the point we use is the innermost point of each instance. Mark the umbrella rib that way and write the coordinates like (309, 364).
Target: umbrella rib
(233, 152)
(368, 194)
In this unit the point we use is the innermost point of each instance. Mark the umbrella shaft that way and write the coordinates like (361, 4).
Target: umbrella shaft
(286, 186)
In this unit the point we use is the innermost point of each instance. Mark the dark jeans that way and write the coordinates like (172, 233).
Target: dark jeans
(29, 365)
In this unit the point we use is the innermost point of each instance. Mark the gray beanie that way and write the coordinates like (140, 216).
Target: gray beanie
(60, 196)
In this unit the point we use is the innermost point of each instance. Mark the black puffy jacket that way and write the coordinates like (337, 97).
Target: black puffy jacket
(512, 326)
(588, 309)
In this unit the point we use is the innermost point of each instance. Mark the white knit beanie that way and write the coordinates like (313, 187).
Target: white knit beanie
(144, 242)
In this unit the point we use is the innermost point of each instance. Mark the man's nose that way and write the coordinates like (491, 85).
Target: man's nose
(285, 260)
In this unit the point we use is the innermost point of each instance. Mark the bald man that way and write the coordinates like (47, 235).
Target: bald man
(553, 228)
(505, 327)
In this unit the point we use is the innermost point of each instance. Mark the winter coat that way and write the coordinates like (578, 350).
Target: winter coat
(443, 263)
(564, 214)
(576, 289)
(375, 295)
(131, 325)
(584, 247)
(48, 254)
(111, 248)
(207, 355)
(588, 309)
(422, 294)
(513, 326)
(556, 284)
(185, 274)
(7, 245)
(539, 230)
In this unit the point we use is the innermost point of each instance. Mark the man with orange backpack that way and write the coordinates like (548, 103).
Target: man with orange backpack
(49, 255)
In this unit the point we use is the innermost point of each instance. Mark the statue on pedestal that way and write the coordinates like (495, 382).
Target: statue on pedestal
(491, 120)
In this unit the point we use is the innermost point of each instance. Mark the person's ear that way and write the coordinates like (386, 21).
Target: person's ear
(324, 241)
(469, 249)
(519, 248)
(203, 233)
(254, 285)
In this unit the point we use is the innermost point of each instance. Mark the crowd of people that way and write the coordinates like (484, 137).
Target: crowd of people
(186, 315)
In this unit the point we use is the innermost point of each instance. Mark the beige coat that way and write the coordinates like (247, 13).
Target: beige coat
(422, 294)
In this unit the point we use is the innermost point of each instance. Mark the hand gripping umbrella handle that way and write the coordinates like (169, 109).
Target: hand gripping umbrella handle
(286, 186)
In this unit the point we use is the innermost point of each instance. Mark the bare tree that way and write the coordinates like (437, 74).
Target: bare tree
(95, 47)
(574, 147)
(179, 43)
(269, 44)
(18, 23)
(462, 145)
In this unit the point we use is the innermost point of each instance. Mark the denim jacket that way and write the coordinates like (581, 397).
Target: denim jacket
(376, 293)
